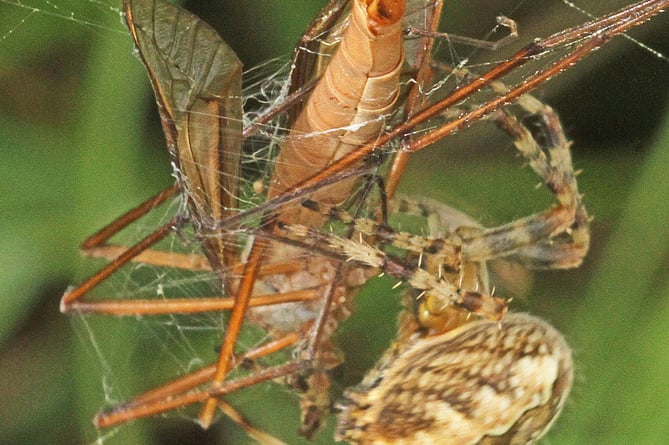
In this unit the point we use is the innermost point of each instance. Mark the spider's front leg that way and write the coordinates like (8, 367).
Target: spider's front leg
(433, 266)
(557, 238)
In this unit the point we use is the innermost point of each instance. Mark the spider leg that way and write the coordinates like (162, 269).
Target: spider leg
(444, 289)
(556, 238)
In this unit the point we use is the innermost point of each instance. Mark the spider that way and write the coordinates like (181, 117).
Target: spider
(455, 374)
(452, 281)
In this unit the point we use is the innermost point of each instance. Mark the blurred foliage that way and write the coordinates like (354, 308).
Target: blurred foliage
(80, 145)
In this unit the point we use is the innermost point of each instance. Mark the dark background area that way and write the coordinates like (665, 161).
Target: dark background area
(80, 145)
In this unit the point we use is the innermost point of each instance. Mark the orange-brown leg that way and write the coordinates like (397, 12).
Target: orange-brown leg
(154, 401)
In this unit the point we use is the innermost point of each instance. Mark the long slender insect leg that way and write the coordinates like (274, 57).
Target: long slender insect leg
(73, 295)
(125, 413)
(234, 328)
(415, 98)
(187, 383)
(135, 307)
(101, 236)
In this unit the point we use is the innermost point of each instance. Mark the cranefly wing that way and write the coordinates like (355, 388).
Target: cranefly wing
(196, 78)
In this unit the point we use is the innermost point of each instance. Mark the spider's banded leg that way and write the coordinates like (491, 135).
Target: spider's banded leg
(447, 293)
(442, 222)
(559, 176)
(533, 240)
(556, 238)
(446, 250)
(435, 256)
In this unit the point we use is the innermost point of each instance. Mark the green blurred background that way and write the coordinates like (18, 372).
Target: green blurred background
(80, 144)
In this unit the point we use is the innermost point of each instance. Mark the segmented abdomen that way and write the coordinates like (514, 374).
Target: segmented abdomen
(348, 107)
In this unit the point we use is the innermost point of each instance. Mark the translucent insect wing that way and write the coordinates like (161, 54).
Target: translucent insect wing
(197, 81)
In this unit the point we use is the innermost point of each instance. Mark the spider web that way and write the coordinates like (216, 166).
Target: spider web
(172, 345)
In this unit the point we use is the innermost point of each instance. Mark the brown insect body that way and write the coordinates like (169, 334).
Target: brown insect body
(349, 106)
